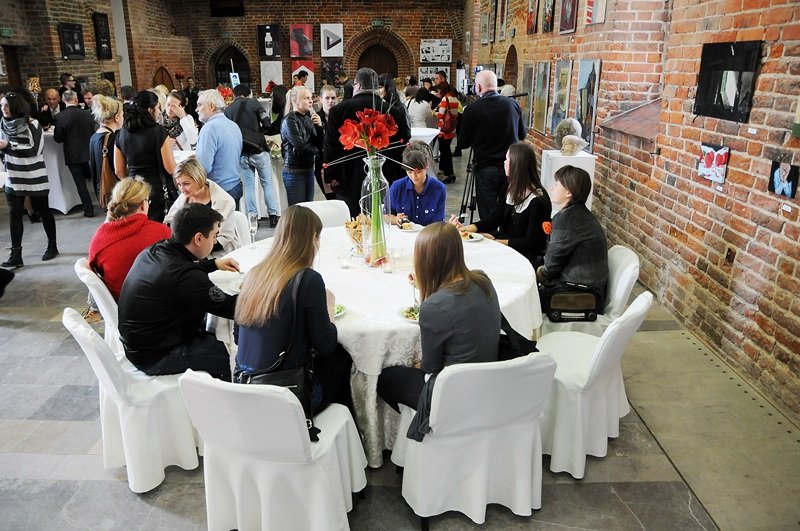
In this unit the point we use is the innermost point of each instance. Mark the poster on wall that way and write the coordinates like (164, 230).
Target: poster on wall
(561, 81)
(783, 179)
(540, 93)
(304, 65)
(467, 41)
(301, 43)
(569, 16)
(595, 11)
(435, 50)
(268, 41)
(548, 8)
(713, 162)
(329, 68)
(484, 28)
(503, 22)
(586, 98)
(726, 80)
(71, 39)
(331, 40)
(102, 36)
(492, 19)
(271, 71)
(532, 17)
(429, 71)
(527, 86)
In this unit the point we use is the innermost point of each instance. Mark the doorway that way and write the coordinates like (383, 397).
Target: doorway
(222, 67)
(12, 66)
(510, 67)
(380, 59)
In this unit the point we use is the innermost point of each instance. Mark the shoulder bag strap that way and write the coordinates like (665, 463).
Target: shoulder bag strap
(294, 285)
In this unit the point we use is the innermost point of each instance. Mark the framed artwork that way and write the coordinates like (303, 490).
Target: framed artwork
(532, 18)
(783, 179)
(726, 80)
(586, 98)
(484, 28)
(561, 82)
(540, 93)
(713, 162)
(301, 43)
(548, 8)
(492, 19)
(527, 86)
(271, 71)
(330, 67)
(569, 16)
(467, 41)
(71, 39)
(595, 11)
(332, 40)
(268, 35)
(305, 65)
(435, 50)
(102, 36)
(503, 13)
(429, 71)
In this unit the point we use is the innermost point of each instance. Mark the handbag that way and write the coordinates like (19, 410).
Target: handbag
(571, 302)
(300, 380)
(107, 177)
(512, 344)
(252, 141)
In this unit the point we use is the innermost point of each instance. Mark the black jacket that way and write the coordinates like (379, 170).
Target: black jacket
(298, 141)
(46, 117)
(74, 127)
(254, 121)
(489, 126)
(164, 300)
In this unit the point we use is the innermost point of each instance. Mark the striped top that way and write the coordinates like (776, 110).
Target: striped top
(448, 103)
(27, 174)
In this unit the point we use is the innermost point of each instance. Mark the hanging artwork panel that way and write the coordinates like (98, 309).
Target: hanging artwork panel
(492, 19)
(503, 13)
(102, 36)
(308, 66)
(540, 94)
(435, 50)
(595, 11)
(268, 40)
(713, 163)
(532, 17)
(586, 98)
(783, 179)
(71, 38)
(561, 82)
(726, 80)
(331, 40)
(271, 71)
(484, 28)
(525, 102)
(569, 16)
(548, 9)
(301, 43)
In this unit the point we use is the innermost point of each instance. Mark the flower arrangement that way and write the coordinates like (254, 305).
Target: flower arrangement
(180, 74)
(371, 132)
(271, 85)
(226, 93)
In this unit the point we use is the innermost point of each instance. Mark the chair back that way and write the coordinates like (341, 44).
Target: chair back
(104, 364)
(104, 300)
(608, 353)
(262, 421)
(470, 397)
(623, 272)
(333, 213)
(241, 227)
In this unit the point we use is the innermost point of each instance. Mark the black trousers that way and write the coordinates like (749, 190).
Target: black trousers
(333, 375)
(81, 174)
(489, 183)
(445, 156)
(401, 385)
(16, 209)
(202, 353)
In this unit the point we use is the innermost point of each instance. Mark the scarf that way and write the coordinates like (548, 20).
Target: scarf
(17, 131)
(173, 126)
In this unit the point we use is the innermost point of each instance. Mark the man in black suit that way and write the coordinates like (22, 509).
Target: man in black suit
(53, 106)
(68, 82)
(74, 128)
(345, 178)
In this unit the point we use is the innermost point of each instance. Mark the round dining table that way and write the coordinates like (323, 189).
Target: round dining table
(372, 328)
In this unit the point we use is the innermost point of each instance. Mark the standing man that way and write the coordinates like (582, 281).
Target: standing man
(490, 125)
(219, 145)
(345, 178)
(254, 123)
(191, 92)
(346, 83)
(68, 82)
(74, 128)
(302, 78)
(53, 105)
(87, 99)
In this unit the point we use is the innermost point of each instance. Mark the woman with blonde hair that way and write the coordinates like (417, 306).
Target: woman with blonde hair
(194, 186)
(270, 321)
(107, 113)
(126, 232)
(299, 130)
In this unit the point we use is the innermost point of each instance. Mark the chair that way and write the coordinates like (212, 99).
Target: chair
(261, 470)
(241, 226)
(623, 272)
(143, 419)
(105, 303)
(588, 397)
(484, 445)
(332, 212)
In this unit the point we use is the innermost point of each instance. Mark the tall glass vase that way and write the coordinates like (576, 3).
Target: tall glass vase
(376, 208)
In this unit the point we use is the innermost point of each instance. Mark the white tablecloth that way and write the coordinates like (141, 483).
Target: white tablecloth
(63, 192)
(372, 329)
(425, 134)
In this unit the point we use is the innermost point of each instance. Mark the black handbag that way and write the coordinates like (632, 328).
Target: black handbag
(571, 302)
(512, 344)
(298, 380)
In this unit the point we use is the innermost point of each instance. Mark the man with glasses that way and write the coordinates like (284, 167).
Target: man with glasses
(68, 82)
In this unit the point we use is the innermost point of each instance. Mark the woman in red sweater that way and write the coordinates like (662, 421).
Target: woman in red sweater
(126, 232)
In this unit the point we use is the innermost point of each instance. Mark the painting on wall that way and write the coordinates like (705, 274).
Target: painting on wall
(540, 93)
(503, 13)
(268, 40)
(306, 65)
(527, 86)
(301, 43)
(595, 11)
(429, 71)
(586, 98)
(484, 28)
(783, 179)
(561, 82)
(713, 163)
(492, 19)
(329, 68)
(271, 71)
(727, 79)
(548, 8)
(532, 17)
(569, 16)
(435, 50)
(331, 38)
(71, 38)
(102, 36)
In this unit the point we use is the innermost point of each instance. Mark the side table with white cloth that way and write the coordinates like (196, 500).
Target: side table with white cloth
(372, 328)
(63, 192)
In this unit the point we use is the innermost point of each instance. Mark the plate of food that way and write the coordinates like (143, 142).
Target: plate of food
(409, 226)
(410, 313)
(339, 310)
(471, 236)
(229, 281)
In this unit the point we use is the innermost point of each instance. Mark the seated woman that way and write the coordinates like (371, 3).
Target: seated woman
(126, 232)
(522, 207)
(180, 126)
(269, 322)
(194, 187)
(578, 251)
(417, 197)
(452, 296)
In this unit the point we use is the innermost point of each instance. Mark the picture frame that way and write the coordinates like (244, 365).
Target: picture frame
(301, 40)
(586, 98)
(532, 17)
(548, 12)
(102, 36)
(713, 164)
(435, 50)
(492, 20)
(541, 92)
(484, 28)
(727, 80)
(595, 11)
(429, 71)
(331, 38)
(783, 179)
(525, 102)
(568, 20)
(503, 22)
(307, 65)
(71, 39)
(268, 42)
(561, 85)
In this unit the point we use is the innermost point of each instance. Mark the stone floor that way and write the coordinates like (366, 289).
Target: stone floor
(700, 450)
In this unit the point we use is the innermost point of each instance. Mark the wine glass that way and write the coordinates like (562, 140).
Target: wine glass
(252, 219)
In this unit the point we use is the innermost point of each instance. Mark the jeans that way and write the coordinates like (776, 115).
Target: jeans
(236, 193)
(299, 183)
(262, 163)
(489, 182)
(401, 385)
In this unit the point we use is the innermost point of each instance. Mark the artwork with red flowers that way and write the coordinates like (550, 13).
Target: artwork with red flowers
(713, 163)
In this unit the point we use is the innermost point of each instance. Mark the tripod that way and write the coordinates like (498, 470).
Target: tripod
(468, 196)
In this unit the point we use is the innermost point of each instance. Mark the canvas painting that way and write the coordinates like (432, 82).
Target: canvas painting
(503, 14)
(595, 11)
(586, 98)
(727, 79)
(569, 16)
(102, 36)
(548, 9)
(561, 82)
(532, 18)
(331, 67)
(71, 38)
(540, 94)
(484, 28)
(492, 19)
(301, 43)
(527, 86)
(435, 50)
(331, 38)
(308, 66)
(268, 40)
(713, 162)
(783, 179)
(271, 71)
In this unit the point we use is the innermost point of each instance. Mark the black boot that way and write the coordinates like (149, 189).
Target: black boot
(51, 252)
(34, 217)
(6, 276)
(15, 260)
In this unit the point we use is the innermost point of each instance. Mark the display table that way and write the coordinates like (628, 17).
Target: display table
(63, 192)
(372, 329)
(553, 160)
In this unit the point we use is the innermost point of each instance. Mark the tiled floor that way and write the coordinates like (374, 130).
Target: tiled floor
(701, 450)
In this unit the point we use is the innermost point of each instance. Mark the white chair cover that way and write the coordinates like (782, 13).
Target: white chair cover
(105, 303)
(588, 397)
(261, 470)
(143, 419)
(332, 212)
(484, 445)
(623, 272)
(241, 227)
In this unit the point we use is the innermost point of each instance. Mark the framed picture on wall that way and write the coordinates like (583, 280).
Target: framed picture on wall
(268, 41)
(71, 39)
(532, 17)
(540, 94)
(307, 66)
(492, 19)
(595, 11)
(331, 40)
(727, 79)
(271, 71)
(713, 163)
(527, 86)
(783, 178)
(561, 82)
(503, 22)
(548, 10)
(102, 36)
(429, 71)
(569, 16)
(301, 43)
(435, 50)
(586, 98)
(484, 28)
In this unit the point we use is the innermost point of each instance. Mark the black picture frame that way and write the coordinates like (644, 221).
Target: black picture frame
(71, 39)
(727, 80)
(102, 36)
(268, 41)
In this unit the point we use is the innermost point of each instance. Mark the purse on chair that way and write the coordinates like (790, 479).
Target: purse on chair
(571, 302)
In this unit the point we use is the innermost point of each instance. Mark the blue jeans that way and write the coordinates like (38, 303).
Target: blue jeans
(236, 193)
(262, 163)
(299, 184)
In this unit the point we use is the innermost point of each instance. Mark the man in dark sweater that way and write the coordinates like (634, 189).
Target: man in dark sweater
(74, 127)
(489, 126)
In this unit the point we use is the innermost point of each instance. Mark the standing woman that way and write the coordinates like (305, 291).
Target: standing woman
(269, 321)
(327, 96)
(447, 109)
(107, 113)
(21, 143)
(143, 149)
(300, 127)
(179, 125)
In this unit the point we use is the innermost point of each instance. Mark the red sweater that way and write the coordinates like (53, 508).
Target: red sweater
(116, 244)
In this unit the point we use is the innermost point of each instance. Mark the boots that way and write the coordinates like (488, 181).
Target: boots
(15, 260)
(51, 252)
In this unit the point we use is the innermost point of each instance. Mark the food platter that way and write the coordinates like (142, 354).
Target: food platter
(410, 313)
(471, 237)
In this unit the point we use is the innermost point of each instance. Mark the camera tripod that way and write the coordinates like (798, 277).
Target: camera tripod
(468, 199)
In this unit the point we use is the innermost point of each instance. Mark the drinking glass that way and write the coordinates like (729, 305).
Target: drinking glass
(252, 219)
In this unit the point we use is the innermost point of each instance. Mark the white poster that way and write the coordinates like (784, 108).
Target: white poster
(271, 71)
(332, 40)
(435, 50)
(429, 71)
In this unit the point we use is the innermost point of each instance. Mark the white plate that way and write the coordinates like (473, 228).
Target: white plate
(414, 228)
(475, 238)
(340, 311)
(408, 318)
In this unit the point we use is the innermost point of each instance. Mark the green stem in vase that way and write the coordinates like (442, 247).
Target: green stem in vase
(378, 240)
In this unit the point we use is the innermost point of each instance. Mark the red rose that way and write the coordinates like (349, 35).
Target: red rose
(709, 159)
